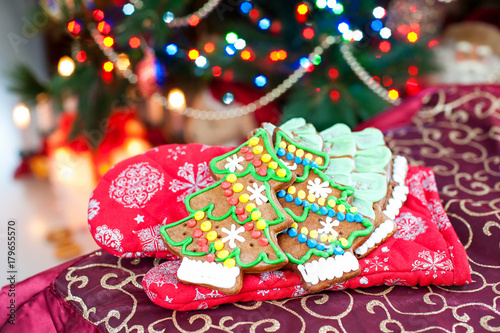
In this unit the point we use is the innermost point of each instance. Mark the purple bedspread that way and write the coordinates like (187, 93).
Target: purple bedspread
(453, 130)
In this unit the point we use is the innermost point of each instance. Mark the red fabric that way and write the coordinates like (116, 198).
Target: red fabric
(425, 250)
(125, 217)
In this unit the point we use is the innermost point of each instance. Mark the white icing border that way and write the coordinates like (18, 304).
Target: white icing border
(329, 268)
(210, 273)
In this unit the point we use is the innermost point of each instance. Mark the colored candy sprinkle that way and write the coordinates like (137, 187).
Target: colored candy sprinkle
(331, 239)
(262, 171)
(281, 152)
(251, 206)
(204, 248)
(292, 148)
(309, 156)
(321, 201)
(305, 162)
(225, 185)
(257, 163)
(304, 231)
(210, 257)
(266, 158)
(358, 218)
(338, 251)
(263, 241)
(343, 242)
(321, 247)
(324, 238)
(340, 216)
(314, 207)
(273, 165)
(297, 160)
(242, 217)
(244, 198)
(281, 173)
(290, 156)
(256, 215)
(237, 187)
(253, 141)
(191, 223)
(295, 225)
(312, 243)
(301, 194)
(331, 213)
(302, 238)
(314, 164)
(288, 198)
(199, 215)
(229, 263)
(197, 233)
(298, 201)
(292, 189)
(311, 197)
(299, 153)
(206, 225)
(349, 217)
(331, 203)
(306, 203)
(212, 235)
(233, 201)
(231, 178)
(282, 144)
(258, 149)
(341, 208)
(292, 232)
(239, 210)
(248, 226)
(314, 234)
(281, 193)
(244, 150)
(202, 241)
(353, 210)
(218, 245)
(323, 210)
(228, 193)
(318, 160)
(249, 156)
(222, 254)
(255, 234)
(261, 224)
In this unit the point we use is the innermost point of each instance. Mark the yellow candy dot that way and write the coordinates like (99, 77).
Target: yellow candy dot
(222, 254)
(256, 215)
(244, 198)
(231, 178)
(331, 239)
(299, 153)
(283, 144)
(237, 187)
(343, 242)
(253, 141)
(212, 235)
(199, 215)
(229, 263)
(205, 226)
(313, 234)
(292, 148)
(304, 231)
(218, 245)
(266, 158)
(261, 224)
(292, 190)
(353, 210)
(331, 203)
(319, 160)
(281, 173)
(301, 194)
(295, 225)
(311, 198)
(258, 149)
(273, 165)
(341, 208)
(321, 201)
(324, 238)
(309, 156)
(250, 207)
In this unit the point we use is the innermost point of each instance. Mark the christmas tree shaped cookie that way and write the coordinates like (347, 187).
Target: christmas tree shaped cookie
(327, 228)
(232, 225)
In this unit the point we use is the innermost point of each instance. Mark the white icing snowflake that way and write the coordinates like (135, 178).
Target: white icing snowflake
(319, 188)
(93, 209)
(193, 182)
(257, 195)
(266, 276)
(376, 264)
(232, 235)
(111, 238)
(151, 240)
(174, 153)
(409, 226)
(432, 262)
(328, 226)
(234, 163)
(201, 296)
(439, 216)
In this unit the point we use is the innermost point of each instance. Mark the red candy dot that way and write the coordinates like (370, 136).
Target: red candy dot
(248, 226)
(192, 223)
(204, 248)
(210, 257)
(255, 234)
(197, 233)
(225, 185)
(228, 193)
(239, 210)
(202, 241)
(263, 241)
(244, 150)
(249, 156)
(262, 171)
(257, 163)
(242, 217)
(233, 201)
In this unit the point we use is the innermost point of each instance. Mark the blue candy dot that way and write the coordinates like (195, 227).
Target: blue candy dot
(305, 162)
(306, 203)
(338, 251)
(289, 156)
(323, 210)
(302, 238)
(349, 217)
(340, 216)
(358, 218)
(298, 201)
(312, 243)
(281, 194)
(331, 213)
(298, 160)
(315, 207)
(314, 164)
(288, 198)
(292, 232)
(321, 247)
(281, 152)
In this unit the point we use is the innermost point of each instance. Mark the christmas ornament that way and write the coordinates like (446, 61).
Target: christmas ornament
(151, 74)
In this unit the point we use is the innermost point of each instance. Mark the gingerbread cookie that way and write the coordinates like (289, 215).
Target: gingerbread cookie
(232, 226)
(327, 228)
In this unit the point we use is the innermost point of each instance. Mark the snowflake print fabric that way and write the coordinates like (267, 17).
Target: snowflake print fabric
(190, 181)
(93, 209)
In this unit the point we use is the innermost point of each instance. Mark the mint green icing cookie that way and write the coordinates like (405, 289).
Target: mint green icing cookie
(369, 186)
(374, 159)
(364, 207)
(368, 138)
(344, 165)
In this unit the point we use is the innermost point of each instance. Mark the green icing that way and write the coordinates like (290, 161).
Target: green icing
(292, 124)
(368, 138)
(341, 178)
(374, 159)
(302, 133)
(343, 145)
(334, 131)
(343, 165)
(369, 186)
(364, 207)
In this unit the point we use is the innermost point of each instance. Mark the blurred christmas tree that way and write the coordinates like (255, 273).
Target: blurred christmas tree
(314, 56)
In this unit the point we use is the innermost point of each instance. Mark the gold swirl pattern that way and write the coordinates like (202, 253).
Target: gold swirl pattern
(457, 134)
